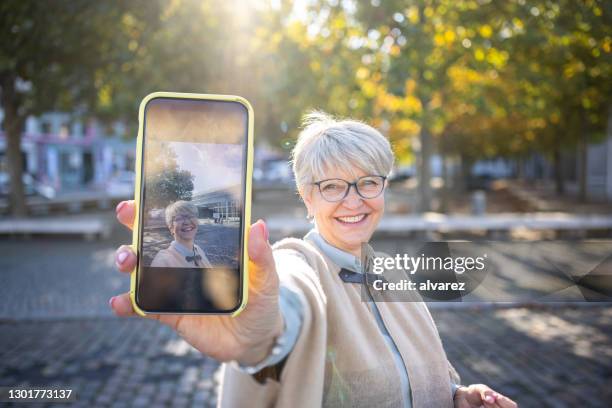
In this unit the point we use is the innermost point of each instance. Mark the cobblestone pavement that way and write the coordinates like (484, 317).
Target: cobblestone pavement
(553, 357)
(545, 357)
(107, 362)
(60, 277)
(55, 325)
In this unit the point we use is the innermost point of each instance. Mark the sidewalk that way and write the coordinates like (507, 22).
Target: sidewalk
(539, 196)
(89, 226)
(56, 327)
(545, 357)
(404, 225)
(98, 225)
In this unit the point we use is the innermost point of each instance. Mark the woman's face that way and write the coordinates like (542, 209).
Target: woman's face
(347, 223)
(184, 227)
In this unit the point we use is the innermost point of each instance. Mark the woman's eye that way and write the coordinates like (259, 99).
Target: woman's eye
(331, 187)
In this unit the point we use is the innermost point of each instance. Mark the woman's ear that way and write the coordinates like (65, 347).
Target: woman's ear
(307, 200)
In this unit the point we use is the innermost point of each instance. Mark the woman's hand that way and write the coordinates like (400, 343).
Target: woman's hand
(479, 395)
(246, 338)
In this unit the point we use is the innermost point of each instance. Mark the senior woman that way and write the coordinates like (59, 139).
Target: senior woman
(306, 338)
(183, 252)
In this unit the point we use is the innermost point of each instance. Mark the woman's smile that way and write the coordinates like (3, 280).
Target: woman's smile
(184, 229)
(347, 223)
(352, 220)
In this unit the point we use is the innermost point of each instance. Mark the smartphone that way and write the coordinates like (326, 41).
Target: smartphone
(193, 197)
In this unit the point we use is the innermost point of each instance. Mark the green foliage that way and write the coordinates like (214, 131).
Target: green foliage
(64, 53)
(166, 182)
(497, 78)
(482, 78)
(169, 186)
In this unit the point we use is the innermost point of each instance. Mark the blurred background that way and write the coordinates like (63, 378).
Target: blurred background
(499, 113)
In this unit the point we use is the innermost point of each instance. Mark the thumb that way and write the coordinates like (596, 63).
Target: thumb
(487, 395)
(262, 270)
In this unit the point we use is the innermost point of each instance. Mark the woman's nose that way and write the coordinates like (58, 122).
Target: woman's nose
(352, 199)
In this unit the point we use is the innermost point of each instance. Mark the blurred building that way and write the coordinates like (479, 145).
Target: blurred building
(272, 168)
(63, 153)
(598, 169)
(220, 205)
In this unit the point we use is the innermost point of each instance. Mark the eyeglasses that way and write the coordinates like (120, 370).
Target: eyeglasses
(184, 218)
(336, 189)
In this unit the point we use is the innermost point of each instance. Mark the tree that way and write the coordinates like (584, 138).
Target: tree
(166, 182)
(485, 78)
(419, 44)
(59, 55)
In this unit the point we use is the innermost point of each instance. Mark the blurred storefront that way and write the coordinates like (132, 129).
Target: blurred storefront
(62, 154)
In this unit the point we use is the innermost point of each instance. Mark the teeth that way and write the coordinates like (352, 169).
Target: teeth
(351, 220)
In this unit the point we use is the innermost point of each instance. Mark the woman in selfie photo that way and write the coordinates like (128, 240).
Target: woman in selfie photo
(306, 337)
(183, 252)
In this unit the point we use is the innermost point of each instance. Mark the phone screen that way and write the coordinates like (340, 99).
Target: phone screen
(192, 206)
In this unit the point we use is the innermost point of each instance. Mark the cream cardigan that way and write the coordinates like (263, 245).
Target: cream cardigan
(340, 357)
(171, 258)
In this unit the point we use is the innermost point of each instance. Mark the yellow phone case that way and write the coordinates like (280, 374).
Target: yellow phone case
(247, 198)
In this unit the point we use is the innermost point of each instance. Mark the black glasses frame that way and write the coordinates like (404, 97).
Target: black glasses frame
(183, 217)
(353, 184)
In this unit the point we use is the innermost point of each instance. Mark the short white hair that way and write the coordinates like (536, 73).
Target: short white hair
(326, 143)
(180, 208)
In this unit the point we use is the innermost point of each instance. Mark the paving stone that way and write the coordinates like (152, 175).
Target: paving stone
(540, 356)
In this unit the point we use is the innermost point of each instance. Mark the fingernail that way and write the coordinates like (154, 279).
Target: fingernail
(120, 206)
(489, 398)
(121, 256)
(265, 230)
(110, 301)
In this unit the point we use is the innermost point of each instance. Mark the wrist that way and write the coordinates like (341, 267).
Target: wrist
(257, 352)
(460, 390)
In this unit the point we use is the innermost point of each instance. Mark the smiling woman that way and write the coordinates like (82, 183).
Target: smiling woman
(353, 352)
(327, 155)
(182, 221)
(308, 338)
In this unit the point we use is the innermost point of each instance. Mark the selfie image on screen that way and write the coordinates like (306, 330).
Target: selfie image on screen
(192, 208)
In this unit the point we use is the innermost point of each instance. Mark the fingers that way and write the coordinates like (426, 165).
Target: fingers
(505, 402)
(125, 211)
(122, 305)
(125, 258)
(488, 396)
(262, 269)
(258, 241)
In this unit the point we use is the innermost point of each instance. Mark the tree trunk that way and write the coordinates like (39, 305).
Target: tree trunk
(582, 149)
(444, 201)
(425, 195)
(520, 167)
(12, 125)
(609, 156)
(558, 169)
(464, 174)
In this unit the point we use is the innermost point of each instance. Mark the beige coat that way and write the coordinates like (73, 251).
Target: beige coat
(341, 358)
(171, 258)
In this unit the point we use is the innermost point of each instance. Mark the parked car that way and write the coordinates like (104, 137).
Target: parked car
(401, 174)
(480, 182)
